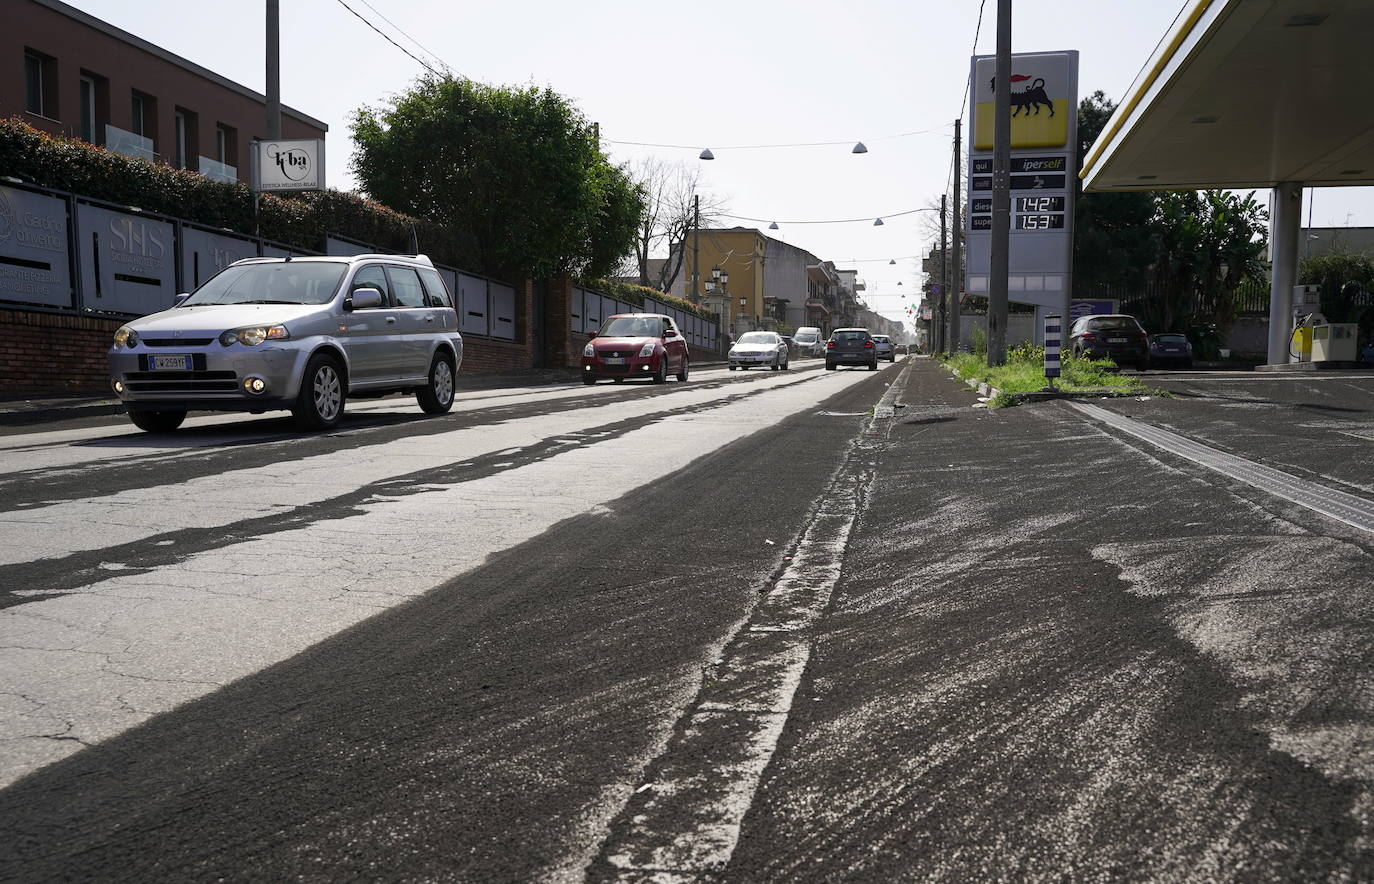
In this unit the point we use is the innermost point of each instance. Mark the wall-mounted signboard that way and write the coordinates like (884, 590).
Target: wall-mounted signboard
(127, 261)
(33, 249)
(205, 253)
(1044, 135)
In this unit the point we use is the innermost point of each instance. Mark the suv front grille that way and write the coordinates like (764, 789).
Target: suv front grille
(181, 382)
(176, 342)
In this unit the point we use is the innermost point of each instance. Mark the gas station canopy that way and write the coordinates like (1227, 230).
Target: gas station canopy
(1247, 94)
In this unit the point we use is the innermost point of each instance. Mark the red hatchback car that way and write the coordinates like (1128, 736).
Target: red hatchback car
(630, 345)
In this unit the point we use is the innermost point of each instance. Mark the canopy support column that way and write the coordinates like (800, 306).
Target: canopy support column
(1284, 230)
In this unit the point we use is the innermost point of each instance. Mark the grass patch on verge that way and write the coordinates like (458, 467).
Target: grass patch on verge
(1024, 372)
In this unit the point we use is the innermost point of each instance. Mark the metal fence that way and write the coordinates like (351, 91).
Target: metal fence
(590, 308)
(1152, 301)
(63, 252)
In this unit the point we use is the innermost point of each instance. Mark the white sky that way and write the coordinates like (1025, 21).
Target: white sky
(709, 73)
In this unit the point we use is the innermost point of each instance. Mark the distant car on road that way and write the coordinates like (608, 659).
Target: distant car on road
(1171, 349)
(303, 334)
(640, 345)
(759, 348)
(851, 346)
(1112, 336)
(883, 344)
(809, 341)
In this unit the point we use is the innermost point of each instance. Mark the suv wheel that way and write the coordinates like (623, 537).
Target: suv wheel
(157, 421)
(829, 366)
(682, 375)
(661, 376)
(436, 397)
(320, 402)
(873, 366)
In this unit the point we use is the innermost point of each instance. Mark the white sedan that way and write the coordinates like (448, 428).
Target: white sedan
(759, 348)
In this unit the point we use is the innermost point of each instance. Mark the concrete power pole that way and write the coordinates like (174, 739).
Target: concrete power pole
(942, 315)
(273, 70)
(956, 264)
(1001, 191)
(696, 249)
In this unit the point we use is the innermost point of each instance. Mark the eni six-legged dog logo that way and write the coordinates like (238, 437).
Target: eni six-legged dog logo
(1029, 99)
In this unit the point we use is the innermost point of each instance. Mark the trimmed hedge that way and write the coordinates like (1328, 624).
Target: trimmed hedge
(301, 220)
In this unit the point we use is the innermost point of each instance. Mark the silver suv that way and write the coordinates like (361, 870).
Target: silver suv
(301, 334)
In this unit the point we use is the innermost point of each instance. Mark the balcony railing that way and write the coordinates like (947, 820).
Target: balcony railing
(128, 143)
(217, 171)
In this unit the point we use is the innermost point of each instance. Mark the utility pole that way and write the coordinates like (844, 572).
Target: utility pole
(273, 70)
(696, 249)
(1001, 191)
(941, 315)
(956, 259)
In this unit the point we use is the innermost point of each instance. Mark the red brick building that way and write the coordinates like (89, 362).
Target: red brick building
(64, 71)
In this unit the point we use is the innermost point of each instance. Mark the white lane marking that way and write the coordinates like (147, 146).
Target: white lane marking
(98, 660)
(687, 826)
(1354, 511)
(205, 502)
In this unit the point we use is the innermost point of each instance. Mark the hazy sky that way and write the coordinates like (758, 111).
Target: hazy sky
(705, 74)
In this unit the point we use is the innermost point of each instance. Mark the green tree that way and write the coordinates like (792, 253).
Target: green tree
(517, 172)
(1346, 278)
(1111, 242)
(1183, 253)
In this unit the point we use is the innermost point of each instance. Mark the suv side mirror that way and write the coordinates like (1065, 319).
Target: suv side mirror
(669, 333)
(591, 336)
(176, 302)
(363, 298)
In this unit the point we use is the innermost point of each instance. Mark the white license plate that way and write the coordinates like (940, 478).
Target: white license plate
(614, 360)
(1116, 340)
(169, 363)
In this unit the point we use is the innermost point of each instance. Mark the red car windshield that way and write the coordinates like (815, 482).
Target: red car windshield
(632, 327)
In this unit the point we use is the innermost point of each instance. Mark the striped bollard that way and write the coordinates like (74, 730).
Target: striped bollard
(1052, 341)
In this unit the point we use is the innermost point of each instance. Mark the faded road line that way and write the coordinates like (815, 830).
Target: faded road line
(1347, 508)
(685, 822)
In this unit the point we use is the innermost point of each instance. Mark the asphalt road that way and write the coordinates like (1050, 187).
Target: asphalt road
(755, 627)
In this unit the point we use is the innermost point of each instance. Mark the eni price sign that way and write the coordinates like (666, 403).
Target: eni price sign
(1044, 134)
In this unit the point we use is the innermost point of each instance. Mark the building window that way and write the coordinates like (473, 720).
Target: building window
(40, 84)
(138, 123)
(88, 109)
(179, 148)
(226, 144)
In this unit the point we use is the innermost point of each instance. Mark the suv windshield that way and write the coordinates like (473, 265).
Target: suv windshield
(881, 339)
(285, 282)
(758, 338)
(632, 327)
(850, 337)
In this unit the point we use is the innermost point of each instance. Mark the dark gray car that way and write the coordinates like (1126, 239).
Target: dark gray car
(851, 346)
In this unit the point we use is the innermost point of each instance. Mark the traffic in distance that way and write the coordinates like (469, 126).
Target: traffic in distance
(305, 335)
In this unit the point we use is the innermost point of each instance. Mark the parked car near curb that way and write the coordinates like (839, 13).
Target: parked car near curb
(1112, 336)
(1171, 349)
(646, 345)
(851, 346)
(759, 348)
(302, 334)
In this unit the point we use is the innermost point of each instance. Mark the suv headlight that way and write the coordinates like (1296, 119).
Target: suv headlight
(254, 335)
(589, 350)
(647, 349)
(125, 337)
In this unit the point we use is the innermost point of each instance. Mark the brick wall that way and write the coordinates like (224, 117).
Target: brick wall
(64, 353)
(53, 353)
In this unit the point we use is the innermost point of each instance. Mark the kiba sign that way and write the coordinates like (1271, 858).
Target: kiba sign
(289, 165)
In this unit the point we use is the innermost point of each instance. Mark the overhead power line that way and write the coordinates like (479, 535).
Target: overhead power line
(445, 65)
(771, 146)
(424, 64)
(831, 221)
(963, 103)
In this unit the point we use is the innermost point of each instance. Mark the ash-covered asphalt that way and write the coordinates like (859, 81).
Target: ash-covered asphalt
(1052, 653)
(1055, 655)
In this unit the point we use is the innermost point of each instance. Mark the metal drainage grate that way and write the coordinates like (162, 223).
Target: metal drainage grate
(1347, 508)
